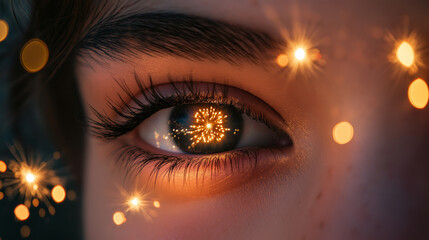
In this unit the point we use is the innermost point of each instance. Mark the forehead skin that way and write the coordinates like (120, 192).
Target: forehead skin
(373, 188)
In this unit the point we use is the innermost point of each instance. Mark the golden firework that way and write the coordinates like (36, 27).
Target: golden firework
(208, 126)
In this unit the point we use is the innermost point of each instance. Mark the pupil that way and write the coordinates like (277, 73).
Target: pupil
(205, 128)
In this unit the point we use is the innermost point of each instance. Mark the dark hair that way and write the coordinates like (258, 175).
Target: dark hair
(61, 25)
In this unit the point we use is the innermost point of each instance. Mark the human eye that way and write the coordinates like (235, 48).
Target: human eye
(186, 129)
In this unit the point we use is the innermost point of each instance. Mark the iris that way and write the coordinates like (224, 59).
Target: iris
(205, 128)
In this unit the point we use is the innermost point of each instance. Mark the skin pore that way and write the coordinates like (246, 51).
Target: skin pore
(370, 188)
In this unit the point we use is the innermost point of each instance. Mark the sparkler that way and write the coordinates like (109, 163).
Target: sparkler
(31, 178)
(208, 126)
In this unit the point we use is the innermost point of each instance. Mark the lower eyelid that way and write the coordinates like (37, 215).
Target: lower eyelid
(216, 173)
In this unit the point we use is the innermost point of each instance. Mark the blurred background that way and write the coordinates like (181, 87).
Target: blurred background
(23, 217)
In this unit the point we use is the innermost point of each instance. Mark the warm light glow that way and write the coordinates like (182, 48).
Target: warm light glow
(300, 54)
(35, 202)
(21, 212)
(71, 195)
(25, 231)
(34, 55)
(418, 93)
(156, 204)
(282, 60)
(51, 210)
(208, 125)
(343, 132)
(405, 54)
(119, 218)
(42, 213)
(4, 30)
(58, 193)
(3, 166)
(29, 177)
(134, 203)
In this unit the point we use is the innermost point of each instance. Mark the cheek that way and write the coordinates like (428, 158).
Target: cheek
(272, 206)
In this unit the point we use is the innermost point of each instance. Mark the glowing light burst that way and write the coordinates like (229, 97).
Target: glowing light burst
(406, 53)
(208, 126)
(29, 177)
(135, 202)
(300, 54)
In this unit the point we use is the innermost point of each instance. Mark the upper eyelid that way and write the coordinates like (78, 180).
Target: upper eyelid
(106, 127)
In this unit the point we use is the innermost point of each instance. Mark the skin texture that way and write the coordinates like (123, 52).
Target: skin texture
(371, 188)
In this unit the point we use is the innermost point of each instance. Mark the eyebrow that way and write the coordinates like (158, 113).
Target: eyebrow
(179, 35)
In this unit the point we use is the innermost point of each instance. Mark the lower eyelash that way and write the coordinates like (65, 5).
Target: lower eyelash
(134, 159)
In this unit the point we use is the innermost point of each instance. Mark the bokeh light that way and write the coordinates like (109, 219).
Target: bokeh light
(343, 132)
(42, 212)
(71, 195)
(51, 210)
(4, 30)
(119, 218)
(58, 193)
(3, 166)
(34, 55)
(25, 231)
(282, 60)
(300, 54)
(418, 93)
(1, 195)
(21, 212)
(35, 202)
(405, 54)
(156, 204)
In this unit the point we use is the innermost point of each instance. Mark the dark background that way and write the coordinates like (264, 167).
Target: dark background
(66, 222)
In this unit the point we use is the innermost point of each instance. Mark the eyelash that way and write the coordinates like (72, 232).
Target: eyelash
(104, 127)
(186, 91)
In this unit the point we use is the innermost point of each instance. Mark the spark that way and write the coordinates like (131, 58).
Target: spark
(405, 54)
(29, 176)
(300, 54)
(208, 126)
(135, 202)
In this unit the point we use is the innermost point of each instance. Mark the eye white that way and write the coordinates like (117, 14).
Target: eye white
(155, 131)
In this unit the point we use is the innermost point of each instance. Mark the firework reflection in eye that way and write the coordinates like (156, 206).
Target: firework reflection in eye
(29, 176)
(208, 126)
